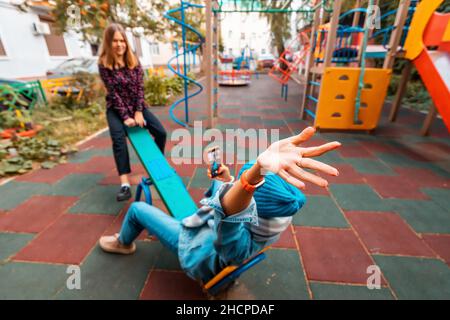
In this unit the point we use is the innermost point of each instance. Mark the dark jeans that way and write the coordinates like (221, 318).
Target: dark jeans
(118, 136)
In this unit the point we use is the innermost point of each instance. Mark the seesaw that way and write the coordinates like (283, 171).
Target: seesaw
(177, 199)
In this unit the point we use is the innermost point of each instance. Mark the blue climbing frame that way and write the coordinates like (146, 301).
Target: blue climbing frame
(186, 51)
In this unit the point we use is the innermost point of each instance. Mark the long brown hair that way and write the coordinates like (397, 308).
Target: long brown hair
(107, 58)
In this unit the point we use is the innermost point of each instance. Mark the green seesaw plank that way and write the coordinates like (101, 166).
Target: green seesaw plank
(168, 184)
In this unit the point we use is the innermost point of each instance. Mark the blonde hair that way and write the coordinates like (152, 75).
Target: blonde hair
(107, 58)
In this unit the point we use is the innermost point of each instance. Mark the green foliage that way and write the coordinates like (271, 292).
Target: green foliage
(17, 155)
(156, 91)
(279, 23)
(416, 95)
(97, 14)
(159, 90)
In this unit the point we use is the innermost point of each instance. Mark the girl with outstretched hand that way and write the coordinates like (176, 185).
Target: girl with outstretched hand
(238, 218)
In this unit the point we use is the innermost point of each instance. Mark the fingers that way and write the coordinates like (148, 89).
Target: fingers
(319, 150)
(289, 179)
(307, 176)
(319, 166)
(305, 135)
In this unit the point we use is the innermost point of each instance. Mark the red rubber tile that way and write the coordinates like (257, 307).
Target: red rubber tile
(395, 187)
(314, 190)
(97, 165)
(354, 151)
(165, 285)
(183, 169)
(376, 146)
(67, 241)
(333, 255)
(422, 177)
(387, 233)
(97, 143)
(286, 240)
(35, 214)
(50, 176)
(117, 225)
(197, 194)
(135, 177)
(440, 244)
(346, 175)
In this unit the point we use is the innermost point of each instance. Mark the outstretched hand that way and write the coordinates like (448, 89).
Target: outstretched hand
(288, 159)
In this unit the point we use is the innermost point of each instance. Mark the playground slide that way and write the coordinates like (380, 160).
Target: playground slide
(434, 68)
(431, 29)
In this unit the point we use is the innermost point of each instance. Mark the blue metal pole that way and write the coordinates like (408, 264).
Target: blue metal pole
(186, 84)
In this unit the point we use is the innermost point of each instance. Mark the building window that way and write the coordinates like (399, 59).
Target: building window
(154, 48)
(263, 51)
(137, 45)
(242, 36)
(2, 49)
(55, 40)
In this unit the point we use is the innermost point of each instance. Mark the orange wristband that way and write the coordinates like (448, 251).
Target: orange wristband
(247, 186)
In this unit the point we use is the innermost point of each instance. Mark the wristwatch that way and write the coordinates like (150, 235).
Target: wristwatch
(247, 186)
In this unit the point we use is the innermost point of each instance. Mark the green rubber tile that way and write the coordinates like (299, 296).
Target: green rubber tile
(358, 197)
(440, 196)
(422, 215)
(415, 278)
(99, 200)
(83, 156)
(244, 155)
(252, 119)
(14, 193)
(274, 123)
(331, 158)
(343, 138)
(395, 159)
(326, 291)
(166, 260)
(279, 276)
(231, 115)
(75, 184)
(200, 179)
(442, 168)
(370, 166)
(186, 180)
(133, 156)
(105, 134)
(31, 281)
(320, 211)
(112, 276)
(11, 243)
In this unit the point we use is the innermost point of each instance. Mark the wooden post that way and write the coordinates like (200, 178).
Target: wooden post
(428, 120)
(356, 15)
(332, 32)
(309, 63)
(208, 63)
(406, 73)
(396, 35)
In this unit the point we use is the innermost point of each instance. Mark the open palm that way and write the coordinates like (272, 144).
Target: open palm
(287, 159)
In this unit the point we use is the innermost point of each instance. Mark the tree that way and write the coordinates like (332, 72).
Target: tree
(279, 22)
(95, 15)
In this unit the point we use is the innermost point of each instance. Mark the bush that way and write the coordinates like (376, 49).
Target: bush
(159, 90)
(156, 90)
(416, 96)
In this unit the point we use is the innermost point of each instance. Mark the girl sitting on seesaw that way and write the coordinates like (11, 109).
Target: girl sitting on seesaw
(238, 218)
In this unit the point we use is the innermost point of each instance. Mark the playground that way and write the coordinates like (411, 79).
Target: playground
(389, 206)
